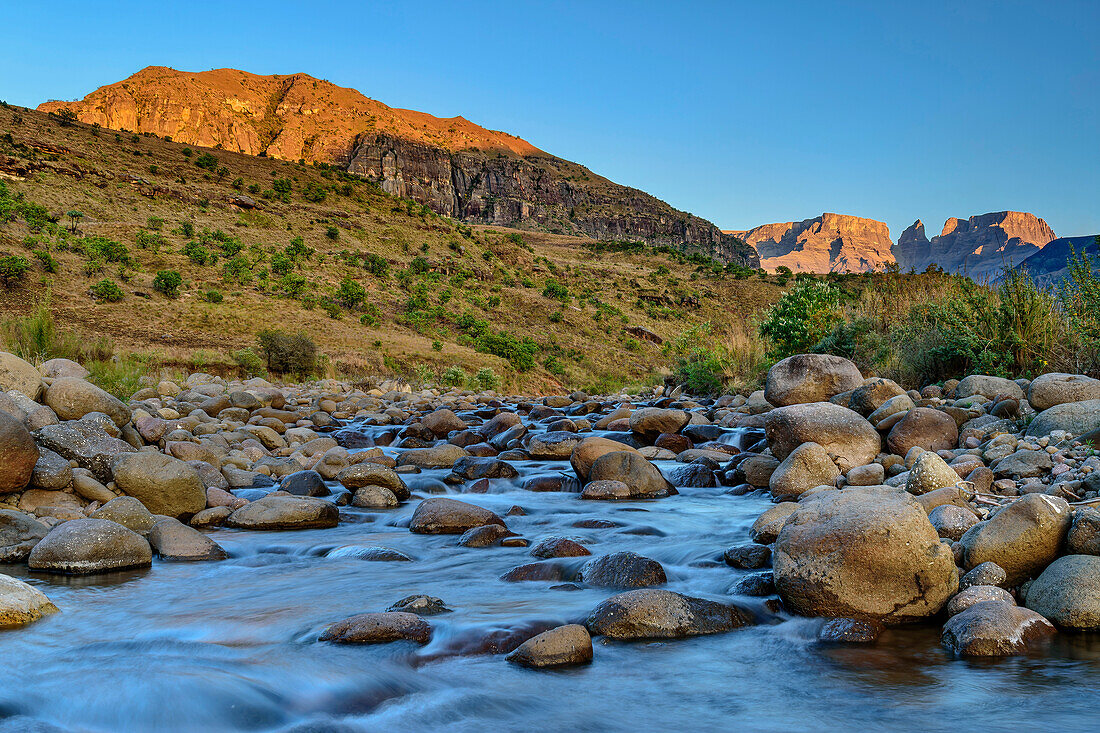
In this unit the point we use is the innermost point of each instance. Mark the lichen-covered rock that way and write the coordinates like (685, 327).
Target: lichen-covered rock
(1054, 388)
(806, 378)
(651, 613)
(83, 546)
(1076, 418)
(1023, 538)
(21, 604)
(807, 466)
(922, 426)
(19, 375)
(19, 533)
(165, 485)
(930, 472)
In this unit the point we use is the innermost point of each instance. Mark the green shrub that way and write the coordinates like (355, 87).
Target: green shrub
(351, 294)
(485, 379)
(437, 345)
(105, 249)
(286, 353)
(293, 284)
(237, 270)
(12, 269)
(314, 192)
(419, 266)
(207, 161)
(149, 240)
(331, 308)
(454, 376)
(197, 253)
(376, 265)
(213, 296)
(107, 291)
(249, 362)
(298, 251)
(801, 318)
(555, 290)
(49, 264)
(520, 353)
(168, 282)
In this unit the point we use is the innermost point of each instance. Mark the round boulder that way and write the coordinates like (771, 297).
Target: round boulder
(847, 438)
(806, 378)
(1048, 390)
(807, 466)
(83, 546)
(623, 570)
(651, 613)
(863, 553)
(285, 512)
(873, 394)
(359, 475)
(18, 375)
(1068, 592)
(18, 455)
(165, 485)
(994, 629)
(922, 426)
(73, 398)
(22, 604)
(19, 533)
(589, 450)
(988, 387)
(1076, 418)
(378, 628)
(174, 540)
(630, 467)
(649, 422)
(1023, 537)
(559, 647)
(449, 516)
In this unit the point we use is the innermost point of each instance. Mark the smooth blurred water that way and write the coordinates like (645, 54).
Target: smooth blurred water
(231, 646)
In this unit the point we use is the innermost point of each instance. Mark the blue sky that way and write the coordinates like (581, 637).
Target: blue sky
(743, 113)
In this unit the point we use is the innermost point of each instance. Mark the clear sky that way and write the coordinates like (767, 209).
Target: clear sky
(741, 112)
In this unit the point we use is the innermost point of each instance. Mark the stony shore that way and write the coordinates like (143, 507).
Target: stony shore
(969, 504)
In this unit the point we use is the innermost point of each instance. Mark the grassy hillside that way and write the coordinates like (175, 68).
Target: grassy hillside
(383, 285)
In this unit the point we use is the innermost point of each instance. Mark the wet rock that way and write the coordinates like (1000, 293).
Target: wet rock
(86, 443)
(556, 445)
(563, 646)
(1076, 418)
(359, 475)
(930, 472)
(1068, 592)
(1023, 538)
(22, 604)
(72, 399)
(606, 490)
(442, 422)
(1049, 390)
(19, 533)
(129, 512)
(847, 438)
(642, 477)
(552, 547)
(472, 468)
(440, 456)
(449, 516)
(499, 424)
(214, 516)
(536, 571)
(757, 470)
(285, 512)
(421, 605)
(623, 570)
(589, 450)
(651, 613)
(304, 483)
(18, 455)
(765, 530)
(924, 427)
(84, 546)
(483, 536)
(649, 422)
(850, 631)
(374, 497)
(378, 628)
(1084, 532)
(873, 474)
(987, 573)
(754, 584)
(866, 553)
(807, 466)
(994, 629)
(673, 442)
(368, 553)
(18, 375)
(51, 472)
(165, 485)
(807, 378)
(748, 557)
(174, 540)
(951, 521)
(977, 594)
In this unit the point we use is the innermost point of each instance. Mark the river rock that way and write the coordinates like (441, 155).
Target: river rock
(651, 613)
(623, 570)
(374, 497)
(606, 490)
(174, 540)
(1076, 418)
(807, 466)
(304, 483)
(556, 445)
(988, 387)
(994, 629)
(951, 521)
(747, 557)
(865, 553)
(18, 455)
(449, 516)
(51, 472)
(552, 547)
(129, 512)
(83, 546)
(19, 533)
(873, 394)
(848, 439)
(484, 536)
(421, 605)
(56, 368)
(86, 443)
(1054, 388)
(285, 512)
(805, 378)
(1023, 538)
(562, 646)
(358, 475)
(165, 485)
(765, 530)
(987, 573)
(472, 468)
(849, 631)
(442, 422)
(642, 477)
(1068, 592)
(72, 399)
(977, 594)
(922, 426)
(22, 604)
(589, 450)
(1084, 533)
(649, 422)
(930, 472)
(377, 628)
(18, 375)
(441, 456)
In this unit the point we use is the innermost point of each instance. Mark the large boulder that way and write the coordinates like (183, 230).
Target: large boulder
(18, 455)
(73, 398)
(174, 540)
(849, 440)
(623, 569)
(866, 553)
(18, 375)
(51, 472)
(129, 512)
(86, 443)
(1076, 418)
(56, 368)
(873, 394)
(165, 485)
(807, 466)
(1068, 592)
(449, 516)
(649, 422)
(806, 378)
(442, 421)
(994, 629)
(929, 473)
(562, 646)
(1084, 533)
(924, 427)
(631, 468)
(589, 450)
(440, 456)
(1023, 538)
(83, 546)
(19, 533)
(555, 445)
(285, 512)
(651, 613)
(1048, 390)
(765, 530)
(21, 604)
(988, 387)
(379, 628)
(359, 475)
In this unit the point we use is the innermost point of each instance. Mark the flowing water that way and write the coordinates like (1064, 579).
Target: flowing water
(232, 645)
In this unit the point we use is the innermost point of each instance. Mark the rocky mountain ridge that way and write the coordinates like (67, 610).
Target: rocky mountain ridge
(827, 243)
(452, 165)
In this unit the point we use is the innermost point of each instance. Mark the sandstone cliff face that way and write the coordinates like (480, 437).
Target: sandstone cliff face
(981, 246)
(828, 243)
(451, 165)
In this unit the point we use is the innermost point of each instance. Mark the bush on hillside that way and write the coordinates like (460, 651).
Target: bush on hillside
(106, 291)
(12, 269)
(286, 353)
(168, 282)
(801, 318)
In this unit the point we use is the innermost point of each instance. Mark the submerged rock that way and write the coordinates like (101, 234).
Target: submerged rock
(994, 629)
(623, 570)
(449, 516)
(285, 512)
(378, 628)
(562, 646)
(660, 614)
(22, 604)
